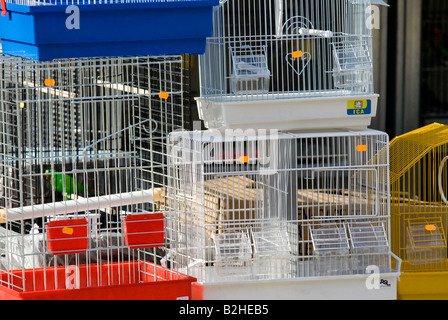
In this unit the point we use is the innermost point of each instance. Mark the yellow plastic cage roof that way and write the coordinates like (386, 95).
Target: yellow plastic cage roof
(408, 149)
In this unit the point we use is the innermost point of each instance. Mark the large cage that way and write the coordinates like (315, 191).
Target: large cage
(83, 150)
(310, 60)
(419, 206)
(419, 211)
(275, 206)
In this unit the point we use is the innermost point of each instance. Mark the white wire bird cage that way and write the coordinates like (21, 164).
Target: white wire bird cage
(281, 207)
(288, 65)
(83, 153)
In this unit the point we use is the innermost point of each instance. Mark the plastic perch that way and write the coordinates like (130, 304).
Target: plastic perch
(79, 205)
(314, 32)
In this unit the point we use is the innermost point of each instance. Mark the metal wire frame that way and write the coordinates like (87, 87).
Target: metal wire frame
(303, 43)
(292, 186)
(84, 138)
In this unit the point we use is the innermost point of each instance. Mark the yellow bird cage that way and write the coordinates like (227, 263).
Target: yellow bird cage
(419, 210)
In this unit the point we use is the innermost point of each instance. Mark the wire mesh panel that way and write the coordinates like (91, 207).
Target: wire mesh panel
(274, 51)
(83, 166)
(300, 199)
(418, 204)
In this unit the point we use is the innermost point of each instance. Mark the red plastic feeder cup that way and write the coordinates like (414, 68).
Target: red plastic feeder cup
(67, 236)
(144, 230)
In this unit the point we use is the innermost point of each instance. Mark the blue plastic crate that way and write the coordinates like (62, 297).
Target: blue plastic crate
(147, 27)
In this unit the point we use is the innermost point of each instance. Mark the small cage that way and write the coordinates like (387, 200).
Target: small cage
(293, 197)
(418, 205)
(310, 60)
(83, 151)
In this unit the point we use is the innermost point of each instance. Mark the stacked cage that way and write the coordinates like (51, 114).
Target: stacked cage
(83, 155)
(288, 186)
(419, 210)
(272, 206)
(288, 65)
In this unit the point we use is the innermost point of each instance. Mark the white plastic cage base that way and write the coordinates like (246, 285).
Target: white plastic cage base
(299, 112)
(360, 287)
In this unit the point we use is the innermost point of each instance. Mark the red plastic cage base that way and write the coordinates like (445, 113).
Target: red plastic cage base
(127, 281)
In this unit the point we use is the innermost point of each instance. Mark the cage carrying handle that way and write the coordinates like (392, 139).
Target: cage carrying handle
(442, 194)
(4, 10)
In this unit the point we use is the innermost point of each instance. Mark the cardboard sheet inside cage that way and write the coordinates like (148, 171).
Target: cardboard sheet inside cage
(235, 201)
(150, 27)
(144, 230)
(107, 281)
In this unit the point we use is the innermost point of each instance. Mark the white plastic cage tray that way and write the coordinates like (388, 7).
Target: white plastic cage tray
(289, 111)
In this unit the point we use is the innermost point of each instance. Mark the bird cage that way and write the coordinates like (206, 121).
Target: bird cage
(418, 205)
(300, 200)
(59, 29)
(419, 210)
(82, 145)
(288, 65)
